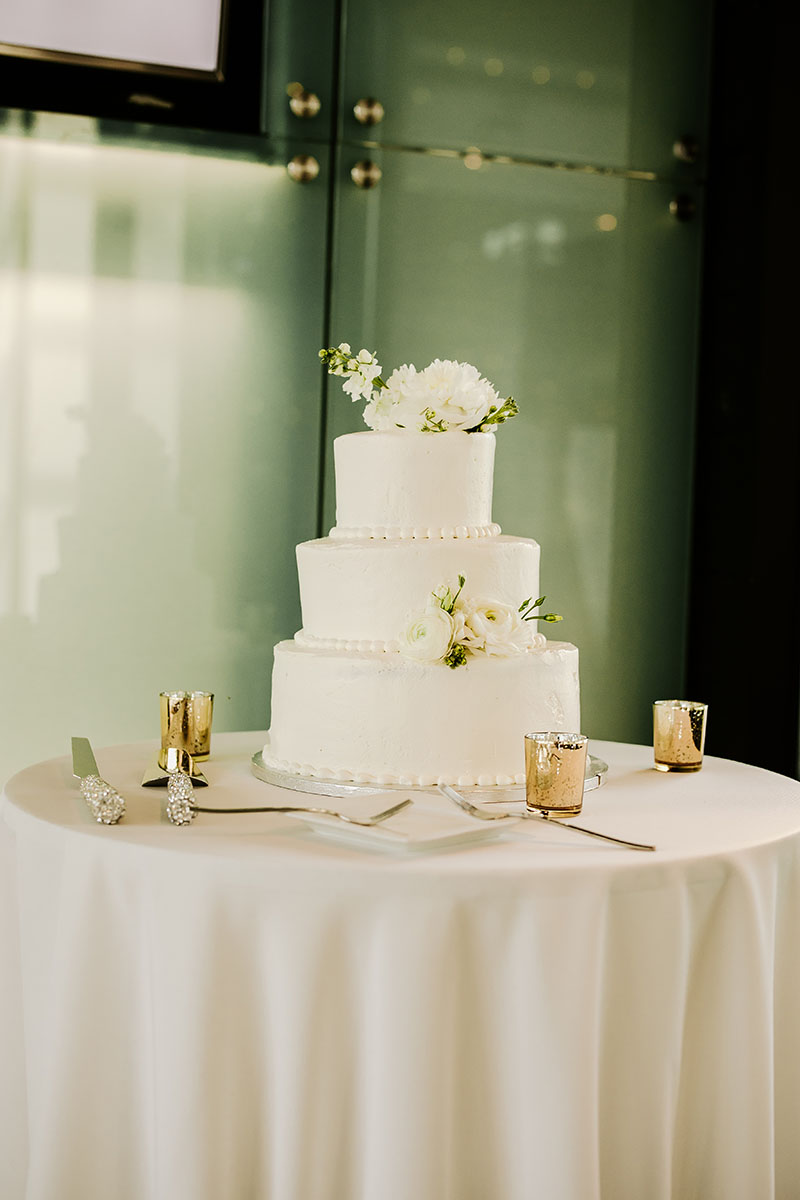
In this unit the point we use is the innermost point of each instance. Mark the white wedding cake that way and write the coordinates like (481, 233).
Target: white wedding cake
(419, 660)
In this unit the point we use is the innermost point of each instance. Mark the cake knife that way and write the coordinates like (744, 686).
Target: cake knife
(104, 801)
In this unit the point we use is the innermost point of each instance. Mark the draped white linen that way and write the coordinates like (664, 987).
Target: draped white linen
(243, 1009)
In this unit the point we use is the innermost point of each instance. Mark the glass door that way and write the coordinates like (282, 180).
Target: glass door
(577, 294)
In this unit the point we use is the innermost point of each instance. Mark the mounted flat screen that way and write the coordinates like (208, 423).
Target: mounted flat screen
(183, 62)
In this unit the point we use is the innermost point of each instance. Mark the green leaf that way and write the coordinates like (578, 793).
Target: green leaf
(496, 416)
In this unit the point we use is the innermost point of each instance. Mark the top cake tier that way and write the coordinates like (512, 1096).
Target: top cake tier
(414, 485)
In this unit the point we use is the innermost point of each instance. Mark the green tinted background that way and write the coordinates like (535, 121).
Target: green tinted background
(166, 430)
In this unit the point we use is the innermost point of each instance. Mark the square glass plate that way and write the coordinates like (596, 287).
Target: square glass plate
(417, 829)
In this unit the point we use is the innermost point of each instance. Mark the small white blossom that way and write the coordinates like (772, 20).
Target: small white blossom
(378, 413)
(357, 386)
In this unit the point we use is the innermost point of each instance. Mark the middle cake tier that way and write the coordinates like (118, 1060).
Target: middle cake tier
(362, 593)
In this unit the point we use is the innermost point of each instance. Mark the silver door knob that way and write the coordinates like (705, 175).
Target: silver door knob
(368, 111)
(365, 174)
(303, 103)
(687, 148)
(303, 168)
(682, 208)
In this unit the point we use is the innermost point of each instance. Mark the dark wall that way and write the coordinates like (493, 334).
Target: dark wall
(744, 643)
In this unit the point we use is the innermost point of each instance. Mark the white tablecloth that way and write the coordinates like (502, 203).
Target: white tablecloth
(244, 1009)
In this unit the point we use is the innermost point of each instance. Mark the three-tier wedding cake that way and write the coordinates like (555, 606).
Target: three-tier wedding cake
(419, 660)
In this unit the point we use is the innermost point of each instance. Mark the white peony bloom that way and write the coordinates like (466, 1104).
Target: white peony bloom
(402, 381)
(428, 636)
(456, 393)
(495, 628)
(406, 399)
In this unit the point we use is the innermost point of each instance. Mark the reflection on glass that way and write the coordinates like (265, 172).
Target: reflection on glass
(157, 417)
(535, 80)
(559, 314)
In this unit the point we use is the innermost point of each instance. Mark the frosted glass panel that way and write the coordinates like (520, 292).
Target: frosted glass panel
(183, 33)
(611, 84)
(575, 294)
(158, 452)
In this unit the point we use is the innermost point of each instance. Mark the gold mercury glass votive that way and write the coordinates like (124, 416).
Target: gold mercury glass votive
(679, 734)
(186, 724)
(555, 772)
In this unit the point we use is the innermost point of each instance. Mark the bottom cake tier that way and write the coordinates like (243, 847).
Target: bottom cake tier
(383, 718)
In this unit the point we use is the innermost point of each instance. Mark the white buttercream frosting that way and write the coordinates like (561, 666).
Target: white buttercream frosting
(382, 717)
(403, 481)
(365, 592)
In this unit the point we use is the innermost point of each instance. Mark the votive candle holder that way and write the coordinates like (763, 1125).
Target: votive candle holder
(555, 772)
(186, 724)
(679, 734)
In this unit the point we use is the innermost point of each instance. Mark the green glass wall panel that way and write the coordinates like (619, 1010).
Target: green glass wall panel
(576, 294)
(160, 428)
(612, 84)
(301, 39)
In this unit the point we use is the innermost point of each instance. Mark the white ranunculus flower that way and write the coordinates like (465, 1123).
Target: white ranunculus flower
(460, 631)
(496, 628)
(428, 636)
(456, 392)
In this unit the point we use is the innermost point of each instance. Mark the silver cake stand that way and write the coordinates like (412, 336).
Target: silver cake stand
(595, 774)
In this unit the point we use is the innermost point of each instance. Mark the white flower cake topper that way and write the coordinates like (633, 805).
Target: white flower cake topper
(453, 628)
(445, 395)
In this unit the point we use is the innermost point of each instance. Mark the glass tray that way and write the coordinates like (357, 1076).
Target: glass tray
(595, 774)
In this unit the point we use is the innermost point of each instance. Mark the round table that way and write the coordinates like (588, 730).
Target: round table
(244, 1009)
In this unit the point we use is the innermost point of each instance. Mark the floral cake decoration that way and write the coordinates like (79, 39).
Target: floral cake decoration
(446, 395)
(453, 628)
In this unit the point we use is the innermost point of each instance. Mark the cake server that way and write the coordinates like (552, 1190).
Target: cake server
(527, 814)
(104, 801)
